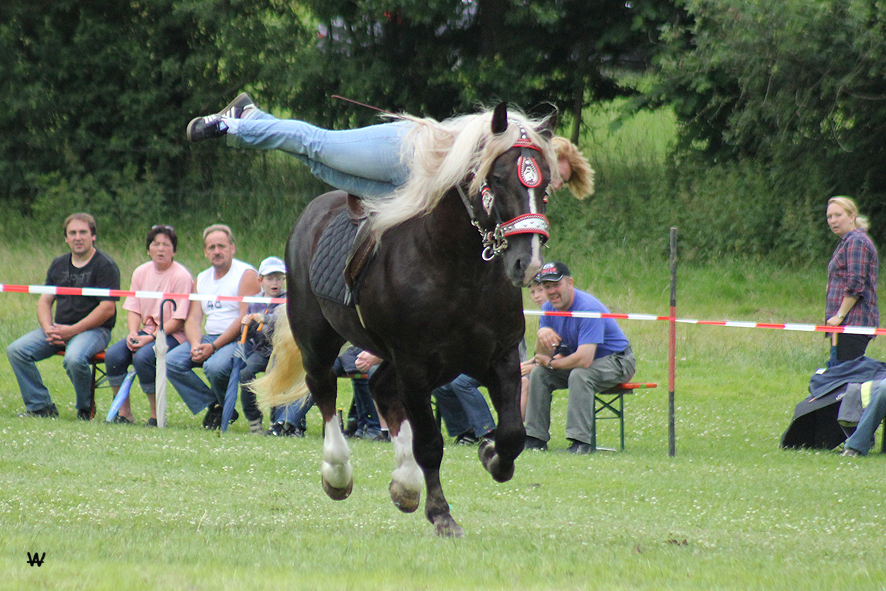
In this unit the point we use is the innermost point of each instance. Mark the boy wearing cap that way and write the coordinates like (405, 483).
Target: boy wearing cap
(585, 355)
(260, 318)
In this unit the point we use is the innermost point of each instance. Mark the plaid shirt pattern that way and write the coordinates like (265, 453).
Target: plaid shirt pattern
(853, 272)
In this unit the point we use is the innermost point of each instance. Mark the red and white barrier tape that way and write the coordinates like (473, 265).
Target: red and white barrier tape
(731, 323)
(119, 293)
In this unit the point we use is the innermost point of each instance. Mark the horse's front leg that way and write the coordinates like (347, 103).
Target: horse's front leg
(427, 446)
(335, 471)
(503, 383)
(407, 479)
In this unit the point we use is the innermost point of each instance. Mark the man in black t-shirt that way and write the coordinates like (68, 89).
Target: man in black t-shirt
(81, 327)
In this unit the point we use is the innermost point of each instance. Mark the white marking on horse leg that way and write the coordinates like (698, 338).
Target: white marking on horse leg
(336, 468)
(407, 474)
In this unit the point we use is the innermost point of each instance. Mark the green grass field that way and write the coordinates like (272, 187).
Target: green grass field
(123, 507)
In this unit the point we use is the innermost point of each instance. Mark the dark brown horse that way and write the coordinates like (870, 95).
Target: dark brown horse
(439, 299)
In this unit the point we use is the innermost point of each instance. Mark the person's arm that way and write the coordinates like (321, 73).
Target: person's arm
(583, 357)
(44, 312)
(134, 323)
(546, 342)
(846, 305)
(249, 286)
(194, 332)
(99, 315)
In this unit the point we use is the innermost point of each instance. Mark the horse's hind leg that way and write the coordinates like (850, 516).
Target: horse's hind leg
(498, 455)
(407, 479)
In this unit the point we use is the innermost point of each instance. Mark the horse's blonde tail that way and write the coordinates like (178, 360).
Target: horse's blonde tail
(284, 381)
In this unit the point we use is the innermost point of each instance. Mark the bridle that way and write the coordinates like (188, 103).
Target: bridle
(495, 241)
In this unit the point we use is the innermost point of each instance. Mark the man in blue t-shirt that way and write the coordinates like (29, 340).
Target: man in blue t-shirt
(586, 355)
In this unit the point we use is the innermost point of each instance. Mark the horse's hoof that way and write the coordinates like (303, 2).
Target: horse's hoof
(446, 527)
(500, 470)
(404, 499)
(338, 494)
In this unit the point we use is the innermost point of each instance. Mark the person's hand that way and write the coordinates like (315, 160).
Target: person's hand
(365, 361)
(835, 321)
(247, 319)
(527, 366)
(135, 341)
(53, 336)
(547, 338)
(61, 334)
(201, 352)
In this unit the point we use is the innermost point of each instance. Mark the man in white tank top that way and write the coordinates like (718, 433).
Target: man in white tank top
(214, 350)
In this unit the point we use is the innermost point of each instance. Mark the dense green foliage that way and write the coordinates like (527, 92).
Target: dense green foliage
(799, 87)
(96, 95)
(776, 106)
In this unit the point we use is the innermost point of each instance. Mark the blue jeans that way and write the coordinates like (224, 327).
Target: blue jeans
(863, 437)
(25, 352)
(255, 363)
(463, 391)
(144, 360)
(364, 161)
(194, 391)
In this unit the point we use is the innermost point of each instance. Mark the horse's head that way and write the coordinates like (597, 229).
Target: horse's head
(510, 211)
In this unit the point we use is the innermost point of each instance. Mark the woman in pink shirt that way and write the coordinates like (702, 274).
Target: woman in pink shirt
(161, 274)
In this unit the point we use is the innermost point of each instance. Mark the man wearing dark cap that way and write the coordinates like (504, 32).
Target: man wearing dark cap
(586, 355)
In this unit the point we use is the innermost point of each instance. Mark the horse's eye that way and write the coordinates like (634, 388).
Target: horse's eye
(498, 181)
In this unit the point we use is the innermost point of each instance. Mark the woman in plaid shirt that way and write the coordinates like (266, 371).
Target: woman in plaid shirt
(852, 278)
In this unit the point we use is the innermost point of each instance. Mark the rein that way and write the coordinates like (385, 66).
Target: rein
(496, 241)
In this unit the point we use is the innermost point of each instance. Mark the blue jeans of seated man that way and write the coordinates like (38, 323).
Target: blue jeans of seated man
(364, 161)
(367, 416)
(255, 364)
(118, 359)
(24, 353)
(194, 391)
(464, 389)
(863, 437)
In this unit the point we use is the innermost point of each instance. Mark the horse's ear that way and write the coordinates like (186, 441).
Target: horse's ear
(500, 118)
(550, 124)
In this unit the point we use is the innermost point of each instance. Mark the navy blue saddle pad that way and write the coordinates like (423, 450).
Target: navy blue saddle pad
(330, 258)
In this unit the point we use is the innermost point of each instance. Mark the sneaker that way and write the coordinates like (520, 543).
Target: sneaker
(152, 422)
(213, 126)
(120, 420)
(383, 437)
(851, 453)
(535, 443)
(234, 416)
(212, 419)
(579, 448)
(84, 414)
(284, 429)
(255, 426)
(467, 438)
(47, 412)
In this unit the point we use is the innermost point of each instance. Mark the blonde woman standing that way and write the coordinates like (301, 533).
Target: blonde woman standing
(852, 278)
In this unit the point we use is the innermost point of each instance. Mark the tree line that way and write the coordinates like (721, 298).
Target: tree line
(96, 94)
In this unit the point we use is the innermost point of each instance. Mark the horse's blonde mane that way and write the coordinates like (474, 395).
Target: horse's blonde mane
(439, 155)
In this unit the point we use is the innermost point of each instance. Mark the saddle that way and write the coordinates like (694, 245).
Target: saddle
(341, 256)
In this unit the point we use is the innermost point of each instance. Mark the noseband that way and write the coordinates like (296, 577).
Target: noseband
(496, 240)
